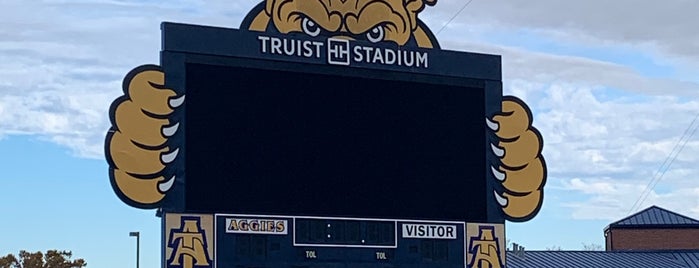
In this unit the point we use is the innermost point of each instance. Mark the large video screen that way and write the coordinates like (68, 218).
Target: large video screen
(270, 142)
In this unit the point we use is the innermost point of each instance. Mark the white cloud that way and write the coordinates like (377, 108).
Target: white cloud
(61, 62)
(605, 152)
(537, 67)
(667, 26)
(611, 200)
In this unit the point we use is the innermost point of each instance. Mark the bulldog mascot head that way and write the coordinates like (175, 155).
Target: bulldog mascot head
(370, 20)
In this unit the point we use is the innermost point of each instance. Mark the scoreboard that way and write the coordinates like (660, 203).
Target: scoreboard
(267, 135)
(300, 162)
(252, 241)
(325, 134)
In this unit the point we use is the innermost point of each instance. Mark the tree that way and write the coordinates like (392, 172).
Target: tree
(592, 247)
(551, 248)
(52, 259)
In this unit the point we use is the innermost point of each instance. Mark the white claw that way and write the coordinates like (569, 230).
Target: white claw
(171, 130)
(169, 157)
(492, 124)
(498, 174)
(166, 185)
(499, 152)
(501, 199)
(177, 102)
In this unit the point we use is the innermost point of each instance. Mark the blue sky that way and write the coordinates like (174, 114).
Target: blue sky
(54, 200)
(613, 86)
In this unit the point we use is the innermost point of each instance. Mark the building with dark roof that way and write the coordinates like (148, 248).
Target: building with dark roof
(603, 259)
(651, 229)
(654, 237)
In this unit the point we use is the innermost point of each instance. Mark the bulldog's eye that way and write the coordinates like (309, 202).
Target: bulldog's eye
(310, 27)
(376, 34)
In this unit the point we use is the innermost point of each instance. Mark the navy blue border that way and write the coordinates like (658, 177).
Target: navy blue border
(184, 44)
(194, 39)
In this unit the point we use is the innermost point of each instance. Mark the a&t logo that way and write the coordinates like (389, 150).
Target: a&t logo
(484, 249)
(188, 245)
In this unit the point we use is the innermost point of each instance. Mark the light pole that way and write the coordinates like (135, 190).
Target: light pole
(138, 245)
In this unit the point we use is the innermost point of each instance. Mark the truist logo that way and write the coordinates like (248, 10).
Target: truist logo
(343, 52)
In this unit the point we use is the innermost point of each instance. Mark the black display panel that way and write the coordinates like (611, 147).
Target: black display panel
(314, 232)
(271, 142)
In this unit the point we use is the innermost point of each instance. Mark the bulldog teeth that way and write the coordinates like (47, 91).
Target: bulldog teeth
(499, 152)
(492, 124)
(171, 130)
(166, 185)
(501, 199)
(498, 175)
(167, 158)
(176, 102)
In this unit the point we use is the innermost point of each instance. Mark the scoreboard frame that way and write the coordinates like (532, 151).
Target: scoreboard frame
(192, 44)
